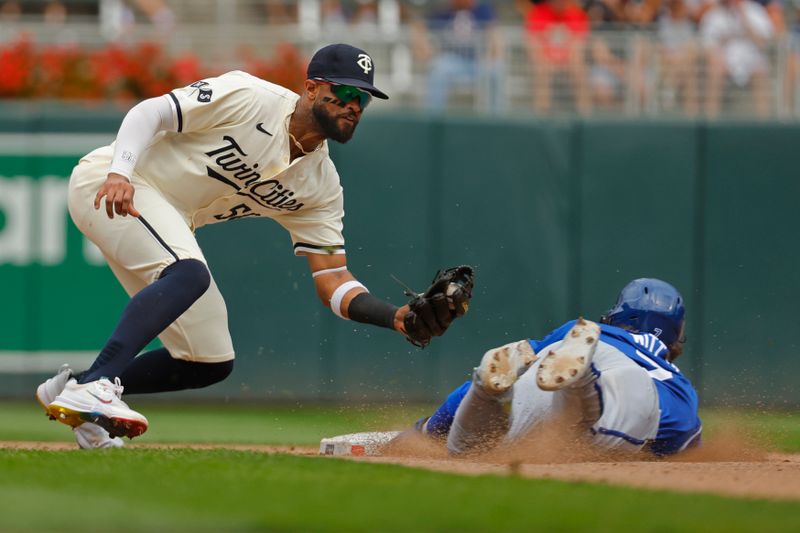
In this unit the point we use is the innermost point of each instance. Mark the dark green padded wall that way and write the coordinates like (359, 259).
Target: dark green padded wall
(504, 207)
(751, 258)
(636, 211)
(389, 179)
(555, 216)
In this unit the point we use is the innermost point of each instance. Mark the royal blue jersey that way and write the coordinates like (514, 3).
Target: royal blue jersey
(679, 424)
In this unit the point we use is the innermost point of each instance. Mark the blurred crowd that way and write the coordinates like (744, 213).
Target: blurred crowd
(692, 57)
(690, 51)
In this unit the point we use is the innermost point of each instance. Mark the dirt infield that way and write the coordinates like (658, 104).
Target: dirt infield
(777, 477)
(731, 469)
(730, 464)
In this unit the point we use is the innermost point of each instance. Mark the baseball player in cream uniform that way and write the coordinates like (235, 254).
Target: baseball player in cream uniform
(224, 148)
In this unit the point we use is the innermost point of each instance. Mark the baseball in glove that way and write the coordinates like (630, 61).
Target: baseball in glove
(432, 312)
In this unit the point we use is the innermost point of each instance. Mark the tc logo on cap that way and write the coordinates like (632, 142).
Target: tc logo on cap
(365, 62)
(346, 65)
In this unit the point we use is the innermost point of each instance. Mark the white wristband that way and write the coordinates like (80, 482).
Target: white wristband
(328, 271)
(338, 296)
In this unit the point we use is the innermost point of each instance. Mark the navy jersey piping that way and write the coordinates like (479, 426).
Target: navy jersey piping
(155, 234)
(178, 111)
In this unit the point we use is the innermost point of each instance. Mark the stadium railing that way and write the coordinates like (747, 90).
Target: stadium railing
(638, 81)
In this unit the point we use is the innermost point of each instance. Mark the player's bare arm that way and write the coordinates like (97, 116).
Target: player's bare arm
(426, 316)
(330, 273)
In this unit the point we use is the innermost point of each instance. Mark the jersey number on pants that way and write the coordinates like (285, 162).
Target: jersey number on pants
(237, 211)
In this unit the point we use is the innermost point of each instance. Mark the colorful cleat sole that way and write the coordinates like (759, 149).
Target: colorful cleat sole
(46, 410)
(116, 427)
(121, 427)
(568, 363)
(66, 416)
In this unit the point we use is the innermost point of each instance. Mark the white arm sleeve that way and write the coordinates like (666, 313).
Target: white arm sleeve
(138, 128)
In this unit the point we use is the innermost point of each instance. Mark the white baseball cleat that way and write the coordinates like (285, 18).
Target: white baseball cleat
(87, 435)
(569, 362)
(98, 402)
(501, 367)
(90, 436)
(47, 391)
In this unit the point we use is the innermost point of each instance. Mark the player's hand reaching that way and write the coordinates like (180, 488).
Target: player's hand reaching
(429, 314)
(118, 192)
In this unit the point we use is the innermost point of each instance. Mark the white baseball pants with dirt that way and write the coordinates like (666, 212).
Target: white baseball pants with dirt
(616, 401)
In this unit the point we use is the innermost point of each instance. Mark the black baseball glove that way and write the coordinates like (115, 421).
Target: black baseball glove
(434, 310)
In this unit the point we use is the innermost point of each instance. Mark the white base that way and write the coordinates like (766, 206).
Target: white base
(358, 444)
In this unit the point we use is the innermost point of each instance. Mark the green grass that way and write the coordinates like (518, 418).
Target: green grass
(778, 430)
(232, 423)
(219, 490)
(224, 490)
(306, 425)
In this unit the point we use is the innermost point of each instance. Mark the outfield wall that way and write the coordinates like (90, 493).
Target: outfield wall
(556, 217)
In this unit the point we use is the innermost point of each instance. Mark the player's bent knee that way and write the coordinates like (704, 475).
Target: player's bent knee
(207, 374)
(194, 276)
(221, 371)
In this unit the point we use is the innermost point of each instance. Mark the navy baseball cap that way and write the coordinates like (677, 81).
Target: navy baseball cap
(345, 65)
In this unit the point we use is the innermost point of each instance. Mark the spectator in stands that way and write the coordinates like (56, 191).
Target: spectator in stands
(698, 8)
(159, 14)
(368, 20)
(776, 13)
(622, 14)
(278, 12)
(735, 34)
(792, 77)
(556, 44)
(619, 61)
(469, 53)
(678, 53)
(55, 13)
(121, 23)
(334, 17)
(365, 13)
(10, 12)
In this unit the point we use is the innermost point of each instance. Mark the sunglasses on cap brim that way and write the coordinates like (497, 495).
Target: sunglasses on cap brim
(348, 93)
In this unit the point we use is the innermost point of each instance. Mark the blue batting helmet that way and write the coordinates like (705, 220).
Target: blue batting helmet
(649, 305)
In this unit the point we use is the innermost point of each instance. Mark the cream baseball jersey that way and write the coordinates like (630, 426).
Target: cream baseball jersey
(230, 159)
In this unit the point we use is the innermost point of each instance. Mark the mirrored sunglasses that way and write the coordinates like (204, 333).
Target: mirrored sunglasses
(348, 93)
